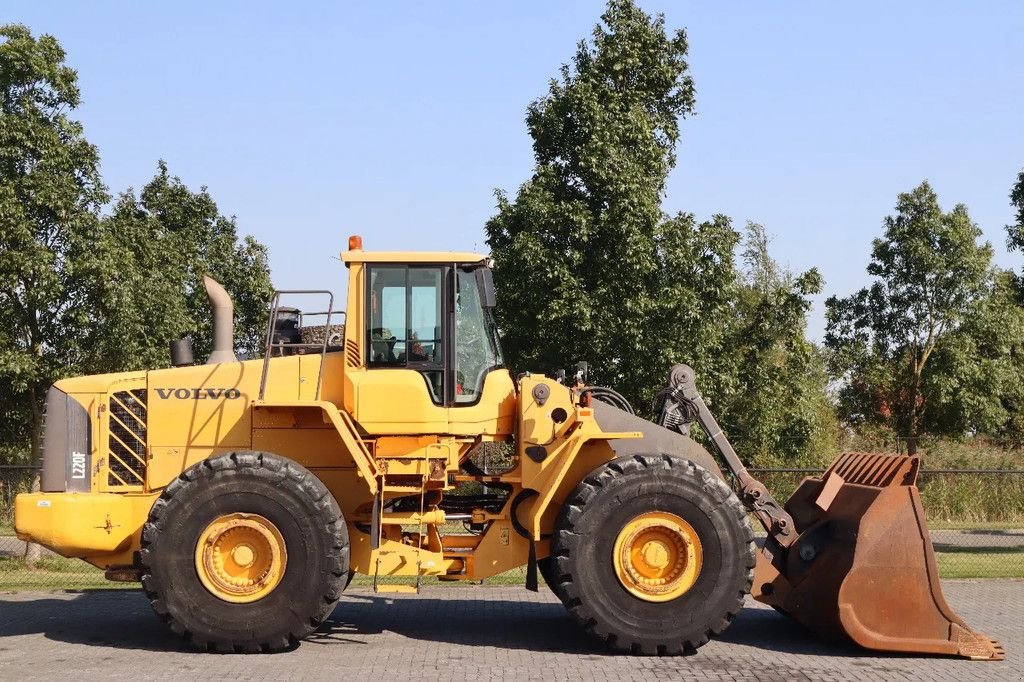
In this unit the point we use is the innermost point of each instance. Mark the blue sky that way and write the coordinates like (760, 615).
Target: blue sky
(398, 120)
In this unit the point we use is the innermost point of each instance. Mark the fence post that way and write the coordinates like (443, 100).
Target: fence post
(32, 550)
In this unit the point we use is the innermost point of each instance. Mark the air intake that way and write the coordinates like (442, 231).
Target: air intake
(127, 439)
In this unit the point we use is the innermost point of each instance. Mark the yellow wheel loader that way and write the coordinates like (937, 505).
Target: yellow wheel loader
(244, 495)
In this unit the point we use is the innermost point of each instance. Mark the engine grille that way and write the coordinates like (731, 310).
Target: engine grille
(127, 440)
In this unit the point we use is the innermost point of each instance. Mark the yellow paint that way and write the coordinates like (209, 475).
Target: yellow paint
(81, 524)
(352, 449)
(562, 442)
(401, 560)
(494, 415)
(657, 556)
(363, 427)
(97, 383)
(241, 558)
(395, 401)
(441, 257)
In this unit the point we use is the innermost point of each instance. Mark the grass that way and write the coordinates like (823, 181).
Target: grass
(53, 573)
(58, 574)
(940, 524)
(981, 562)
(950, 500)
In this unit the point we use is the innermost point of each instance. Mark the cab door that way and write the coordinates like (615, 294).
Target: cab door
(483, 399)
(405, 386)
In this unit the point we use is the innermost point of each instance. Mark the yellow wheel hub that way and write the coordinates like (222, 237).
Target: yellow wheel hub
(241, 557)
(657, 556)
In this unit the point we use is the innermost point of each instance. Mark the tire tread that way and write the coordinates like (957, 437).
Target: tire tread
(567, 540)
(276, 470)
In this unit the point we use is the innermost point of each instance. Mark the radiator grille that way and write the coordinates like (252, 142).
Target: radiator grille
(127, 441)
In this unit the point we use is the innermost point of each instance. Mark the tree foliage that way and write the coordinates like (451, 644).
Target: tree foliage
(1015, 232)
(778, 410)
(81, 293)
(164, 240)
(976, 380)
(590, 268)
(579, 254)
(930, 274)
(50, 197)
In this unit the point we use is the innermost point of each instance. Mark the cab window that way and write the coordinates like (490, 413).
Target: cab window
(406, 321)
(477, 351)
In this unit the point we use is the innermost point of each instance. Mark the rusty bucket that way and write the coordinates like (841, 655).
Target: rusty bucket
(863, 566)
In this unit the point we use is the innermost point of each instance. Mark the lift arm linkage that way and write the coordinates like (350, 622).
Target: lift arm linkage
(683, 403)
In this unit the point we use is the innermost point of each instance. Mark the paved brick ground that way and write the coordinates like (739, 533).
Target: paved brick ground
(477, 633)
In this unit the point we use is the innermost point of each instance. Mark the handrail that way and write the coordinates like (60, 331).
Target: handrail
(275, 309)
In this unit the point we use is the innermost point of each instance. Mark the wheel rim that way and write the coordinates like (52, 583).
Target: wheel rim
(241, 558)
(657, 556)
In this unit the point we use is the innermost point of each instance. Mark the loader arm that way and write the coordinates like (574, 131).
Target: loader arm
(682, 391)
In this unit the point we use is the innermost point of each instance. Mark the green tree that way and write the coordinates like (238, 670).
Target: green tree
(50, 197)
(589, 267)
(930, 273)
(81, 294)
(163, 241)
(578, 254)
(976, 382)
(1015, 232)
(778, 411)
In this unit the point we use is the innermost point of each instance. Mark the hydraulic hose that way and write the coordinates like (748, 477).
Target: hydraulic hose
(610, 396)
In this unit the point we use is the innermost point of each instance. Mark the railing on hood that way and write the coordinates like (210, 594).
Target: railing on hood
(271, 345)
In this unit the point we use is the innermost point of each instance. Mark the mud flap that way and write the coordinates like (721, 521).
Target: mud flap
(863, 566)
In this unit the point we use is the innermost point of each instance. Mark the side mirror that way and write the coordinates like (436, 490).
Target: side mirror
(485, 284)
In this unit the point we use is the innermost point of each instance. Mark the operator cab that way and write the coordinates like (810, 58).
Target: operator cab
(428, 338)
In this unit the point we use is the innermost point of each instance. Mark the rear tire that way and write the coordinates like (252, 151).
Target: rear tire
(285, 497)
(546, 568)
(600, 513)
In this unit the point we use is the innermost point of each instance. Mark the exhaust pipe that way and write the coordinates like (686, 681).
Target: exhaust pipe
(223, 322)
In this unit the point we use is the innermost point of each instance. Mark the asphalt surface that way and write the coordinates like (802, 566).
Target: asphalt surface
(478, 633)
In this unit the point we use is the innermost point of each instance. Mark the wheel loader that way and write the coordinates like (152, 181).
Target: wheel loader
(245, 494)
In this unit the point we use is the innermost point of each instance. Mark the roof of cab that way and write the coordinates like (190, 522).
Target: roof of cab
(360, 256)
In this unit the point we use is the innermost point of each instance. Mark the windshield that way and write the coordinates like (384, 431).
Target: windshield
(477, 349)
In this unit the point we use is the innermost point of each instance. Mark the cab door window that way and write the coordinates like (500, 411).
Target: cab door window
(477, 351)
(406, 322)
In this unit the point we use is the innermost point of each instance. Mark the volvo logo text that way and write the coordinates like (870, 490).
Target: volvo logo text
(199, 393)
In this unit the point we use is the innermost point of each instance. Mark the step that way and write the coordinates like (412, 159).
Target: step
(388, 488)
(412, 518)
(397, 589)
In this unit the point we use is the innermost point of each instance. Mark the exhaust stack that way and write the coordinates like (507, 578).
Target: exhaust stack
(223, 322)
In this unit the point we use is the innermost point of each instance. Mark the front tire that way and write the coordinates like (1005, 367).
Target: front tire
(653, 555)
(245, 552)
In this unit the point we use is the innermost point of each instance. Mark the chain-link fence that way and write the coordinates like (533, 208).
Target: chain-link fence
(975, 516)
